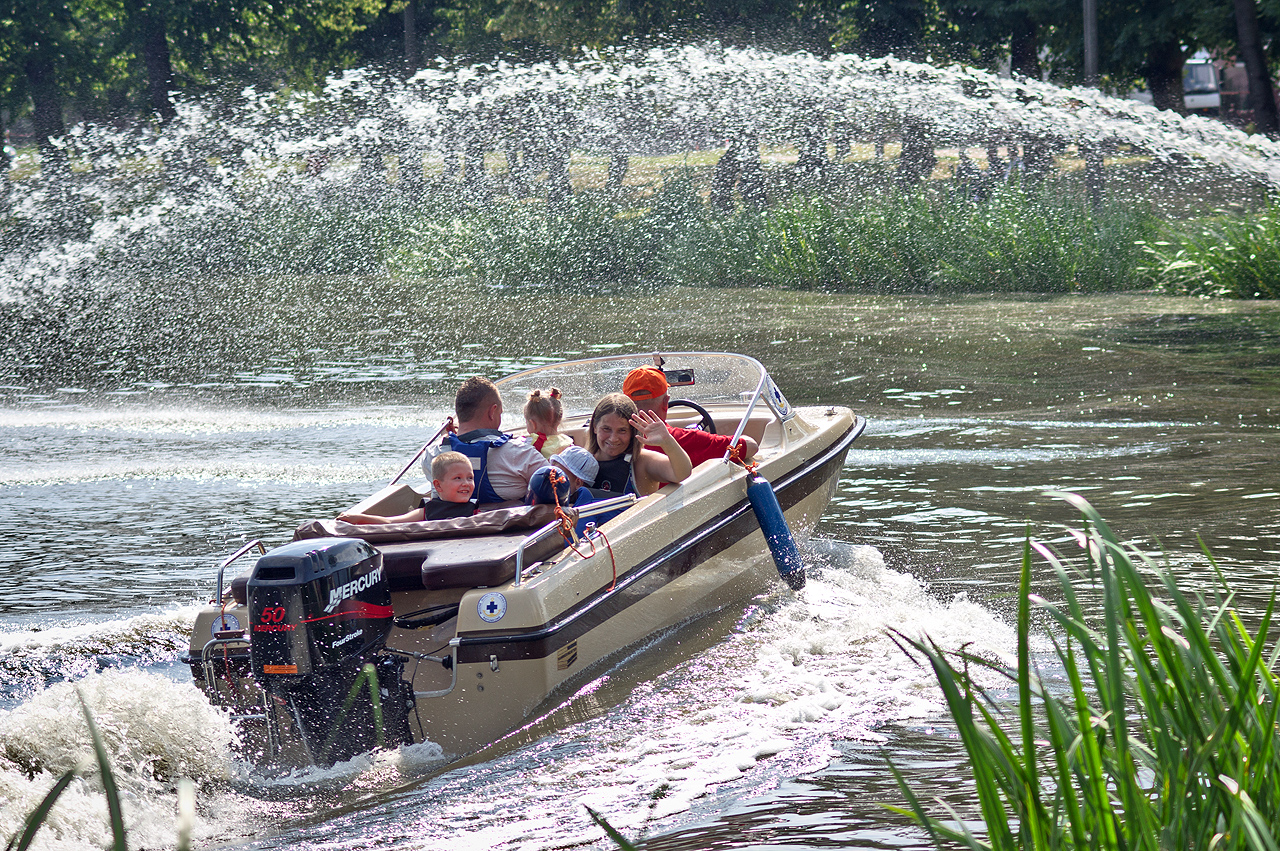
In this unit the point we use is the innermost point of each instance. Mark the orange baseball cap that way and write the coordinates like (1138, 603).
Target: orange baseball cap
(644, 383)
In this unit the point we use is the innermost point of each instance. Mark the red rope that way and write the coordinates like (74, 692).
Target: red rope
(735, 455)
(613, 562)
(566, 528)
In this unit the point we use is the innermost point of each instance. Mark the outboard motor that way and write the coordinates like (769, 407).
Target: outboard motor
(319, 614)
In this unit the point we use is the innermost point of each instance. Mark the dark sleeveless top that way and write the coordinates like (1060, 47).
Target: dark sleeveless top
(438, 509)
(615, 476)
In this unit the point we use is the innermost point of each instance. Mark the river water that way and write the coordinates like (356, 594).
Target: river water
(151, 427)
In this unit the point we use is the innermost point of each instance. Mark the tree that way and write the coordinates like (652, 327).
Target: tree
(39, 48)
(1262, 99)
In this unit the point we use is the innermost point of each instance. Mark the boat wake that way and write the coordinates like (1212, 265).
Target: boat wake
(36, 655)
(797, 674)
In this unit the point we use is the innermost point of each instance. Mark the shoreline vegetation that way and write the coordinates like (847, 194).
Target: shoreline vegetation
(853, 226)
(1157, 729)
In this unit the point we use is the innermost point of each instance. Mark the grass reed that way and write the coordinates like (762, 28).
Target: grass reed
(1163, 737)
(1012, 240)
(1233, 255)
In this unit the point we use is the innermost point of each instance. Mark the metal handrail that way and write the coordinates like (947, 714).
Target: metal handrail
(222, 568)
(590, 510)
(448, 424)
(742, 423)
(239, 711)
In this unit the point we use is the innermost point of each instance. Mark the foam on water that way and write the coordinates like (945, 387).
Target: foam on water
(32, 656)
(155, 731)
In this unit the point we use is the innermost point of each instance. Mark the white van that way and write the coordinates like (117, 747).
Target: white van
(1200, 89)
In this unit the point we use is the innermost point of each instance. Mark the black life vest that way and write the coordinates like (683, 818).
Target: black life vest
(616, 477)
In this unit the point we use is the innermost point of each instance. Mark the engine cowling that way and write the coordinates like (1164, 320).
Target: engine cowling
(315, 604)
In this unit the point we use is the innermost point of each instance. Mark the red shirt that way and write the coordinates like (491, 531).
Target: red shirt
(700, 445)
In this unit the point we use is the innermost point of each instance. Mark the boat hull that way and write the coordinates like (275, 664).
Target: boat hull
(672, 567)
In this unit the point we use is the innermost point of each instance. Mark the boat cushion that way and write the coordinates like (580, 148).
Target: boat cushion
(464, 552)
(484, 523)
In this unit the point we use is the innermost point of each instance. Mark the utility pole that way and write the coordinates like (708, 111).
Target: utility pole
(1092, 147)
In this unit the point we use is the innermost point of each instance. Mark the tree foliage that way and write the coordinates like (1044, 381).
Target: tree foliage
(61, 60)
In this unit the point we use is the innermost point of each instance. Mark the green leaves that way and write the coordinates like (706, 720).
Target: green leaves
(1235, 255)
(1164, 735)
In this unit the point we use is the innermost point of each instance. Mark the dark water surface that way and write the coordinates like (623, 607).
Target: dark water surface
(149, 430)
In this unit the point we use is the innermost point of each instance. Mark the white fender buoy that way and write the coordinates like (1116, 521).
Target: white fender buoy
(786, 555)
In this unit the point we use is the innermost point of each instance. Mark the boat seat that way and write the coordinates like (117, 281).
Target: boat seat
(461, 562)
(465, 552)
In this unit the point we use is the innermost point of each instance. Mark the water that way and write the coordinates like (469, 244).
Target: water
(202, 345)
(120, 490)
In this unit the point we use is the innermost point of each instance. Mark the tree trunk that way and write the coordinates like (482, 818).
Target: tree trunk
(559, 189)
(1164, 76)
(724, 178)
(751, 175)
(155, 54)
(618, 165)
(1262, 98)
(918, 157)
(46, 117)
(1024, 48)
(411, 61)
(5, 186)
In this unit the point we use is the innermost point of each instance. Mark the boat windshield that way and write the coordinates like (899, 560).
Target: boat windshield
(708, 378)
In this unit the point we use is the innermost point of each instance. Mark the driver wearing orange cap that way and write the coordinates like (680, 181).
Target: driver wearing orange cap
(647, 387)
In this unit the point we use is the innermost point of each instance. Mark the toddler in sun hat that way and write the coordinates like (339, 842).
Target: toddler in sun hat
(579, 463)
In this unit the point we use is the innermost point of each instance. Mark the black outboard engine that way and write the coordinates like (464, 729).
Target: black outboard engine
(319, 613)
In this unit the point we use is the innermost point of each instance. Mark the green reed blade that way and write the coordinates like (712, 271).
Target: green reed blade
(109, 787)
(618, 838)
(23, 840)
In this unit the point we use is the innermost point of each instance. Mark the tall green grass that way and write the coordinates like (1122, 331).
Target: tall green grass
(1015, 240)
(1234, 255)
(1163, 737)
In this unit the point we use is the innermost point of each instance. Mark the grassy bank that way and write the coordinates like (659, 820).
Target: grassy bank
(887, 241)
(1161, 732)
(1233, 255)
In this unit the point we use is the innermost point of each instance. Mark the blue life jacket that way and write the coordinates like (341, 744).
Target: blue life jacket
(477, 449)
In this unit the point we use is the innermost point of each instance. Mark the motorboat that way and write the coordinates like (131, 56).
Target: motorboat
(351, 637)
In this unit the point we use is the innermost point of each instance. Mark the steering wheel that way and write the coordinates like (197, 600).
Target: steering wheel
(705, 423)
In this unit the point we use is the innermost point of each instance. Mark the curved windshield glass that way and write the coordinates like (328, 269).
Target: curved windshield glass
(704, 377)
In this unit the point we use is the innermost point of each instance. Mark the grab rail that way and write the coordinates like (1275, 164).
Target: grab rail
(742, 424)
(222, 568)
(448, 424)
(590, 510)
